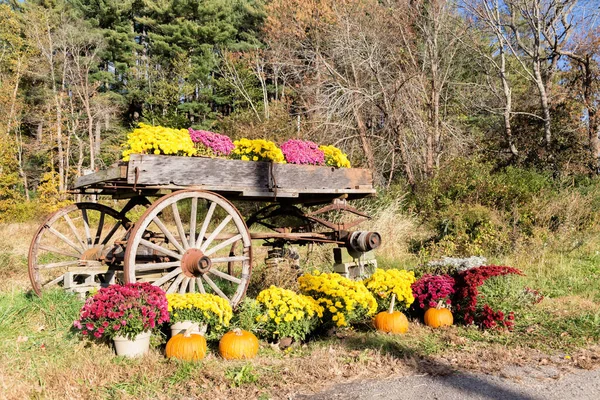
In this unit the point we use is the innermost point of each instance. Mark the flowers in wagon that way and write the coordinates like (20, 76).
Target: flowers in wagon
(125, 310)
(148, 139)
(288, 314)
(204, 308)
(334, 157)
(257, 150)
(385, 282)
(302, 152)
(344, 301)
(210, 143)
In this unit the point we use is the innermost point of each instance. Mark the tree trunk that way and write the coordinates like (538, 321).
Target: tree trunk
(362, 132)
(98, 139)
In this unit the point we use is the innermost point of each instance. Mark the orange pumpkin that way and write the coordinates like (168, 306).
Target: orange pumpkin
(238, 344)
(186, 346)
(391, 321)
(436, 317)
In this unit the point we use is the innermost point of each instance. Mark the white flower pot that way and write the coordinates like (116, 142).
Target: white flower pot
(180, 327)
(133, 348)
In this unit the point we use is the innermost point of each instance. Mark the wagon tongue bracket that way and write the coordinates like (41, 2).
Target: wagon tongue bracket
(194, 263)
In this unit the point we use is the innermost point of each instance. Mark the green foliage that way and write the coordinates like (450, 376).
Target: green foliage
(473, 209)
(464, 230)
(242, 375)
(246, 315)
(507, 293)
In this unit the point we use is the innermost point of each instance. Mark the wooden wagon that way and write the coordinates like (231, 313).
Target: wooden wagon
(191, 237)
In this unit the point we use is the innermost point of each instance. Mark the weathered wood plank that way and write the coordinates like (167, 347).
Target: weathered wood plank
(112, 173)
(306, 178)
(258, 177)
(197, 171)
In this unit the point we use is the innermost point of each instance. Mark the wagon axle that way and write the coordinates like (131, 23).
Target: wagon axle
(194, 263)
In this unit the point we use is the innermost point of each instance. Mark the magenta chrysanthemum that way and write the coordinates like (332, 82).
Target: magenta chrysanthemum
(129, 309)
(302, 152)
(220, 145)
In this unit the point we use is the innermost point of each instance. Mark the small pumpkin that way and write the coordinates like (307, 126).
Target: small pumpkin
(238, 344)
(438, 316)
(391, 321)
(186, 346)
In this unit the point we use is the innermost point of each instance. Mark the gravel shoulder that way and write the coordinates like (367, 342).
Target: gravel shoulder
(514, 382)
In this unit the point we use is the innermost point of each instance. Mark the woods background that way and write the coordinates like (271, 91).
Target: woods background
(474, 111)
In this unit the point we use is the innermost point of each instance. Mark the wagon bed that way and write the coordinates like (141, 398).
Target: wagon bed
(233, 179)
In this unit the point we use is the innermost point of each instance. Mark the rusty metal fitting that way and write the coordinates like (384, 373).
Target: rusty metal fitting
(194, 263)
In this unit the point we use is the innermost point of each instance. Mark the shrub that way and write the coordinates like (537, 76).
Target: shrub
(204, 308)
(468, 305)
(288, 314)
(344, 301)
(431, 289)
(449, 266)
(469, 229)
(385, 282)
(125, 310)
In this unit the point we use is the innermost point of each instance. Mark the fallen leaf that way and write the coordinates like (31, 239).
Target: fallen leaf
(22, 339)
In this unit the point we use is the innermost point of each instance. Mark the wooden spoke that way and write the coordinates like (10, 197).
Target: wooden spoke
(58, 264)
(153, 266)
(99, 230)
(176, 283)
(193, 216)
(223, 275)
(53, 281)
(86, 225)
(179, 224)
(205, 232)
(217, 260)
(59, 251)
(167, 277)
(74, 230)
(168, 234)
(215, 232)
(184, 285)
(206, 222)
(200, 285)
(54, 249)
(64, 238)
(110, 233)
(223, 245)
(215, 287)
(160, 249)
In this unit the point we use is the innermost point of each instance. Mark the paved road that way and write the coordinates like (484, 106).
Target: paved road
(518, 384)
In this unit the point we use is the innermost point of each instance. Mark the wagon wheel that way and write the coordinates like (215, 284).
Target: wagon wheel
(70, 245)
(197, 230)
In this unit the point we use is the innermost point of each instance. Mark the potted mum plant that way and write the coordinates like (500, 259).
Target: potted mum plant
(127, 314)
(204, 312)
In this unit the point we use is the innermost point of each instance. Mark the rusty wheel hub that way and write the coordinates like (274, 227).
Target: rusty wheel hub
(195, 263)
